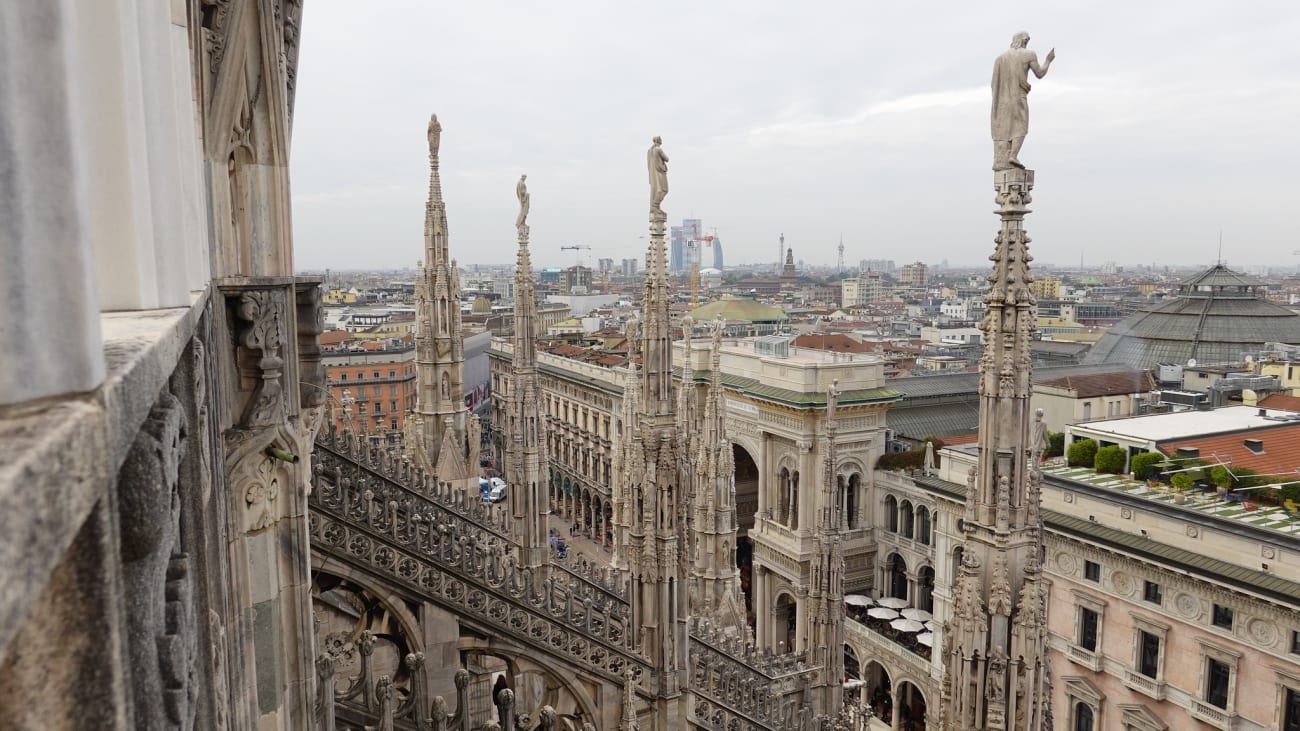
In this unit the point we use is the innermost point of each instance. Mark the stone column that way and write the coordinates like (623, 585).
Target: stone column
(47, 287)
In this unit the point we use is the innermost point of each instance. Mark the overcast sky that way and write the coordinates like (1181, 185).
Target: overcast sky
(1160, 124)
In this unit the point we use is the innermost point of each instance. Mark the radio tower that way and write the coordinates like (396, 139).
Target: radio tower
(839, 265)
(780, 253)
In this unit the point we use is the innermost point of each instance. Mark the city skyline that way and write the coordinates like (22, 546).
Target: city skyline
(790, 124)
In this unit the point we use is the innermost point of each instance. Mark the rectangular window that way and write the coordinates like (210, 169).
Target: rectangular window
(343, 376)
(1092, 571)
(392, 405)
(1222, 617)
(1087, 629)
(376, 374)
(1291, 711)
(392, 390)
(1152, 592)
(392, 374)
(1148, 654)
(1217, 676)
(1295, 642)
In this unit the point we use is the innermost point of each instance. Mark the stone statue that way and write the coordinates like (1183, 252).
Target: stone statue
(657, 162)
(435, 135)
(1010, 118)
(521, 190)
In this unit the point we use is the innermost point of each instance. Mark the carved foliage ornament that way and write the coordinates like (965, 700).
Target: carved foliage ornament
(261, 357)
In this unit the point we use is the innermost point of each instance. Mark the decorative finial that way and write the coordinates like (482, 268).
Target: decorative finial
(435, 135)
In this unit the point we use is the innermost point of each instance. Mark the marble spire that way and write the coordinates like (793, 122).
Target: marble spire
(652, 481)
(715, 582)
(826, 579)
(525, 450)
(995, 646)
(441, 419)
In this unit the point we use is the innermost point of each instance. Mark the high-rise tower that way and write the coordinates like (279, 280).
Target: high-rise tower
(442, 432)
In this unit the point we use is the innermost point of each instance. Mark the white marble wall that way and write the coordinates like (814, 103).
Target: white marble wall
(49, 321)
(102, 202)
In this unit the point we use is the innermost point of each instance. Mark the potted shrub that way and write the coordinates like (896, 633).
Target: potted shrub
(1109, 459)
(1082, 453)
(1181, 482)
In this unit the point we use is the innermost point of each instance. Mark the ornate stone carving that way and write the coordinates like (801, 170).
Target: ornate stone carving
(261, 356)
(1122, 583)
(1188, 605)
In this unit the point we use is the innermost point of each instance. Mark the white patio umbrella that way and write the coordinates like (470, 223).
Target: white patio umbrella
(882, 613)
(919, 615)
(929, 626)
(892, 602)
(907, 625)
(926, 638)
(858, 600)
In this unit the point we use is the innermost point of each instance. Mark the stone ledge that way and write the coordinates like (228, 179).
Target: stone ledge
(59, 457)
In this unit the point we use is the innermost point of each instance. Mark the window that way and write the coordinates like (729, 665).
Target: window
(1217, 678)
(1088, 629)
(392, 374)
(1092, 571)
(1222, 616)
(343, 376)
(1148, 654)
(1291, 710)
(376, 374)
(1152, 592)
(1295, 642)
(891, 514)
(923, 526)
(906, 518)
(392, 390)
(1218, 682)
(392, 424)
(1083, 718)
(1087, 411)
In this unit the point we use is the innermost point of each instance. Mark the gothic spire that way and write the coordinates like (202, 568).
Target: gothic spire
(440, 347)
(525, 450)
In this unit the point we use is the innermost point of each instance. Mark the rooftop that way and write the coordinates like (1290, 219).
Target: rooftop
(1277, 449)
(1186, 424)
(1103, 384)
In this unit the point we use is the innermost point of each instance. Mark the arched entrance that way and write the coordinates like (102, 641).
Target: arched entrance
(785, 617)
(877, 690)
(746, 480)
(911, 707)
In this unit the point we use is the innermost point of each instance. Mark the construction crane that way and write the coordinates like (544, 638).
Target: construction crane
(579, 248)
(697, 245)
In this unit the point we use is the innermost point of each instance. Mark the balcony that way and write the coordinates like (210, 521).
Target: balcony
(880, 628)
(1213, 715)
(1085, 657)
(893, 654)
(1145, 685)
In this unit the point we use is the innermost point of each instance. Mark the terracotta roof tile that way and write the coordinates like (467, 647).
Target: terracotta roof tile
(1281, 401)
(1281, 452)
(1104, 384)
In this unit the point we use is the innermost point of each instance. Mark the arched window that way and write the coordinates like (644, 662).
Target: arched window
(925, 589)
(783, 503)
(851, 501)
(794, 501)
(923, 525)
(1083, 719)
(897, 576)
(905, 518)
(891, 514)
(956, 563)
